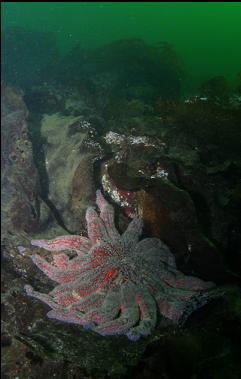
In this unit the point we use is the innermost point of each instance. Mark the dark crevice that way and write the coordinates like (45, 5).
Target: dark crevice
(38, 142)
(56, 214)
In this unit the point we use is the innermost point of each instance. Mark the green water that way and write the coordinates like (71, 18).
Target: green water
(206, 35)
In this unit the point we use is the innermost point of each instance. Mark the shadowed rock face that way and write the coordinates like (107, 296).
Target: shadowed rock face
(13, 117)
(20, 202)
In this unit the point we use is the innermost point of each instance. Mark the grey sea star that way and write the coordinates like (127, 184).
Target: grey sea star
(115, 284)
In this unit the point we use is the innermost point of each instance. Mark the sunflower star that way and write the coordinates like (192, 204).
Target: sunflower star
(116, 284)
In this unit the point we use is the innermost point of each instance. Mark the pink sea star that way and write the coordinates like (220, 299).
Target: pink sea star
(115, 284)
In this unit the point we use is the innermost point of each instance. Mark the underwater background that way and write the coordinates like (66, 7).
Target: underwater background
(134, 110)
(206, 36)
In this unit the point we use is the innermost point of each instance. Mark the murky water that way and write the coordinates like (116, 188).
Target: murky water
(207, 36)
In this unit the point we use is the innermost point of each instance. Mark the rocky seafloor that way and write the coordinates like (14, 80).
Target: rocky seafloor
(174, 161)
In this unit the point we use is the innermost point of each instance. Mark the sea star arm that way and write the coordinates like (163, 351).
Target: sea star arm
(55, 273)
(86, 284)
(95, 300)
(88, 309)
(178, 310)
(153, 250)
(65, 295)
(172, 310)
(129, 314)
(47, 299)
(132, 234)
(107, 215)
(111, 306)
(66, 316)
(178, 280)
(61, 261)
(95, 226)
(148, 316)
(76, 243)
